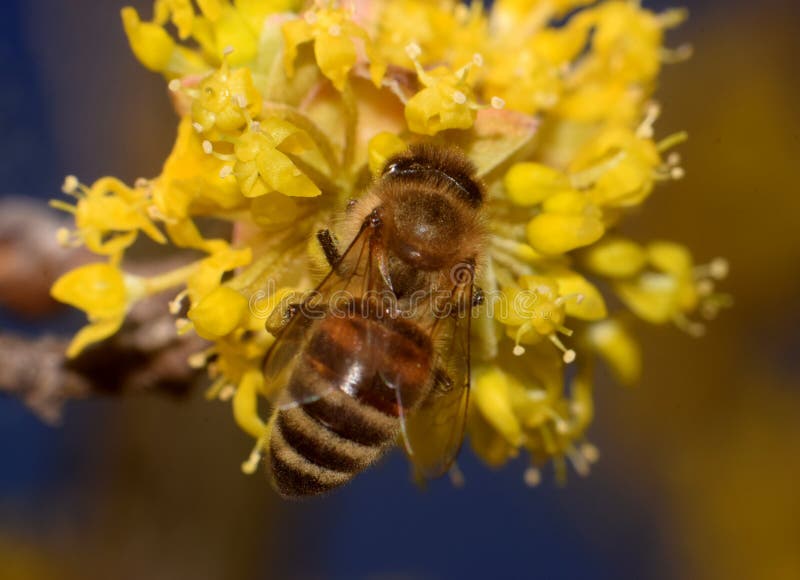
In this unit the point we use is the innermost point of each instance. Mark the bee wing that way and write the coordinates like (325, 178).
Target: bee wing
(361, 268)
(434, 431)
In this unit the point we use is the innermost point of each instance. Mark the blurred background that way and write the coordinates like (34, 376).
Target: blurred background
(700, 471)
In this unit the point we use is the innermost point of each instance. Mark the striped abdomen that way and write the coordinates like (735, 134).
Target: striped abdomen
(345, 415)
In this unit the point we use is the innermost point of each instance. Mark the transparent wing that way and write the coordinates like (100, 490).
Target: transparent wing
(359, 270)
(435, 429)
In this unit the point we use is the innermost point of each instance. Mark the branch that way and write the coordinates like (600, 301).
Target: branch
(145, 355)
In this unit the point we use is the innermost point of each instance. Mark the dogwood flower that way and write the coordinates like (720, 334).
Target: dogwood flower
(287, 112)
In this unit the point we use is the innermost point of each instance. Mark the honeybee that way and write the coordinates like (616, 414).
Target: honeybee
(379, 352)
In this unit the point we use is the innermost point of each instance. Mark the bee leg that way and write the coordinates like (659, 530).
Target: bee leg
(442, 383)
(328, 244)
(280, 317)
(477, 296)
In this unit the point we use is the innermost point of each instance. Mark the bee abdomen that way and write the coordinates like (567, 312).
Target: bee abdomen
(307, 458)
(320, 445)
(293, 475)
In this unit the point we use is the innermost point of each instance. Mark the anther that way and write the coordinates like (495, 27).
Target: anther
(70, 185)
(174, 85)
(63, 236)
(226, 171)
(569, 354)
(719, 268)
(176, 304)
(413, 50)
(590, 452)
(208, 148)
(645, 129)
(498, 103)
(197, 127)
(532, 477)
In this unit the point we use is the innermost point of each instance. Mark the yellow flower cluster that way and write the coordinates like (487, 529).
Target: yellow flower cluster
(285, 111)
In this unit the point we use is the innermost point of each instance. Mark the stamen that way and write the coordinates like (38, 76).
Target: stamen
(498, 103)
(197, 127)
(690, 327)
(183, 325)
(645, 129)
(705, 287)
(719, 268)
(532, 477)
(63, 236)
(227, 392)
(335, 30)
(590, 452)
(208, 148)
(228, 50)
(578, 297)
(63, 206)
(671, 141)
(456, 476)
(477, 59)
(675, 55)
(176, 304)
(459, 97)
(518, 349)
(213, 391)
(199, 359)
(588, 176)
(240, 100)
(569, 354)
(226, 171)
(413, 50)
(175, 85)
(249, 467)
(70, 185)
(579, 462)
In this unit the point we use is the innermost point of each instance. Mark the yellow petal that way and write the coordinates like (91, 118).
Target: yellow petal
(530, 183)
(551, 233)
(335, 56)
(150, 43)
(653, 297)
(619, 350)
(591, 305)
(381, 147)
(616, 258)
(218, 313)
(98, 289)
(670, 258)
(281, 174)
(492, 398)
(92, 333)
(245, 403)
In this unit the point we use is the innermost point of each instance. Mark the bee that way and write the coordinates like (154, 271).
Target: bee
(378, 354)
